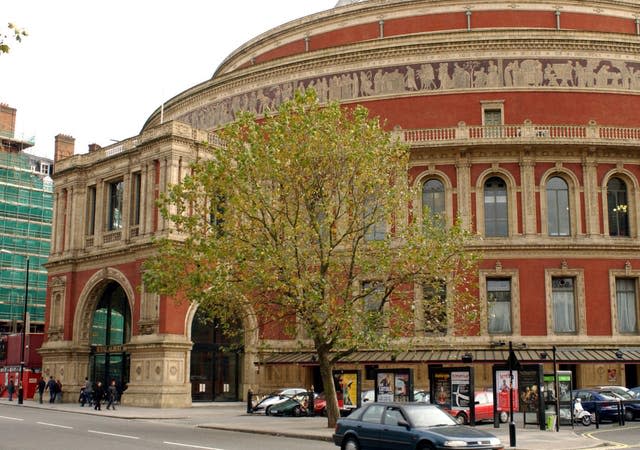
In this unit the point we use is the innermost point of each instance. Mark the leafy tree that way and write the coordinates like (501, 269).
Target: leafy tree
(12, 33)
(303, 218)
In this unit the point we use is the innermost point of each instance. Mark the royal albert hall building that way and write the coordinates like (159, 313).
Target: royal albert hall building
(523, 119)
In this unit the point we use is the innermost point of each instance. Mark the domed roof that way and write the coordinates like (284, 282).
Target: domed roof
(348, 2)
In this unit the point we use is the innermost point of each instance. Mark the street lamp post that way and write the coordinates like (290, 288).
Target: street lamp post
(23, 339)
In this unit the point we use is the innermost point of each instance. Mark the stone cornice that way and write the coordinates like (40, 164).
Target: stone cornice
(372, 11)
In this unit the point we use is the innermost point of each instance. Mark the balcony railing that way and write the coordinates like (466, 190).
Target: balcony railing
(523, 133)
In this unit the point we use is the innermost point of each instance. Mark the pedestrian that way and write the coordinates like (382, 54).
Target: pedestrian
(58, 398)
(41, 385)
(86, 392)
(112, 395)
(11, 388)
(98, 394)
(52, 387)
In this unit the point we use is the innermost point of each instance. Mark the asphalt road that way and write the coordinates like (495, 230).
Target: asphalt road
(37, 429)
(622, 437)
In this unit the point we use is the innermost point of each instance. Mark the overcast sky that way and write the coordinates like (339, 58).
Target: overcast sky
(96, 70)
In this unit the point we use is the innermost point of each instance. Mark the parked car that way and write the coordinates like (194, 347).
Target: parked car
(630, 401)
(483, 410)
(296, 405)
(636, 391)
(608, 403)
(408, 426)
(620, 390)
(421, 396)
(368, 396)
(320, 406)
(276, 397)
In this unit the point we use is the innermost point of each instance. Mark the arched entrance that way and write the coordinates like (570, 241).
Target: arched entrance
(216, 361)
(110, 330)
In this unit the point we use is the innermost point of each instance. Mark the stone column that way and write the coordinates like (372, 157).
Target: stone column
(159, 372)
(591, 190)
(463, 182)
(527, 166)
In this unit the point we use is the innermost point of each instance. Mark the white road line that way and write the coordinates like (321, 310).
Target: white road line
(54, 425)
(113, 434)
(11, 418)
(190, 446)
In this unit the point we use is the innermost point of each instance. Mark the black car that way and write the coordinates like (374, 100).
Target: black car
(407, 426)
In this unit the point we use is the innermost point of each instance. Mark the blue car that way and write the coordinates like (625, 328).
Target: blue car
(608, 404)
(408, 426)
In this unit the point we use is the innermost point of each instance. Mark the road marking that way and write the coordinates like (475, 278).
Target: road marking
(11, 418)
(113, 434)
(190, 446)
(54, 425)
(614, 444)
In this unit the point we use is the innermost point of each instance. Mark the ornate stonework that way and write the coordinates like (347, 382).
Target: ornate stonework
(476, 74)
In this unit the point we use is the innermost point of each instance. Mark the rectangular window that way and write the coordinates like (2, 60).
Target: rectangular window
(563, 304)
(499, 305)
(435, 307)
(372, 305)
(492, 123)
(374, 224)
(627, 305)
(115, 205)
(135, 198)
(91, 210)
(373, 292)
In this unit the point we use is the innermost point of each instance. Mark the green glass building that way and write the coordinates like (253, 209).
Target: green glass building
(26, 209)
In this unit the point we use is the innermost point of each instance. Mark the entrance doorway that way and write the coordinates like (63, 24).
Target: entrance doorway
(216, 361)
(110, 330)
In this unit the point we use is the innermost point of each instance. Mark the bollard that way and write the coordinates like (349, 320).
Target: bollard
(621, 413)
(512, 434)
(249, 401)
(597, 416)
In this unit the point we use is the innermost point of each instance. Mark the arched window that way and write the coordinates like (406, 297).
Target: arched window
(618, 207)
(433, 200)
(558, 217)
(496, 218)
(110, 330)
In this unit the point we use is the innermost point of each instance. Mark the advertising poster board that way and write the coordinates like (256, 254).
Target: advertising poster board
(347, 385)
(502, 390)
(442, 389)
(529, 391)
(394, 385)
(452, 389)
(460, 390)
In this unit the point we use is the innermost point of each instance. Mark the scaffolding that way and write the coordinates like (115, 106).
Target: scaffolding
(26, 210)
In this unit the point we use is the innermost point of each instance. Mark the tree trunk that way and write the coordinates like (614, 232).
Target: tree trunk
(326, 373)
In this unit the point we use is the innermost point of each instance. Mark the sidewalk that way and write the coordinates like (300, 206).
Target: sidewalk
(233, 417)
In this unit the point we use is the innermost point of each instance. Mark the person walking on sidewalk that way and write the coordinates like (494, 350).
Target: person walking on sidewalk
(41, 385)
(52, 386)
(11, 388)
(98, 395)
(112, 395)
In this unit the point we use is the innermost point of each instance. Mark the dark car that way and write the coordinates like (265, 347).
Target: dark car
(629, 400)
(274, 398)
(296, 405)
(419, 426)
(606, 401)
